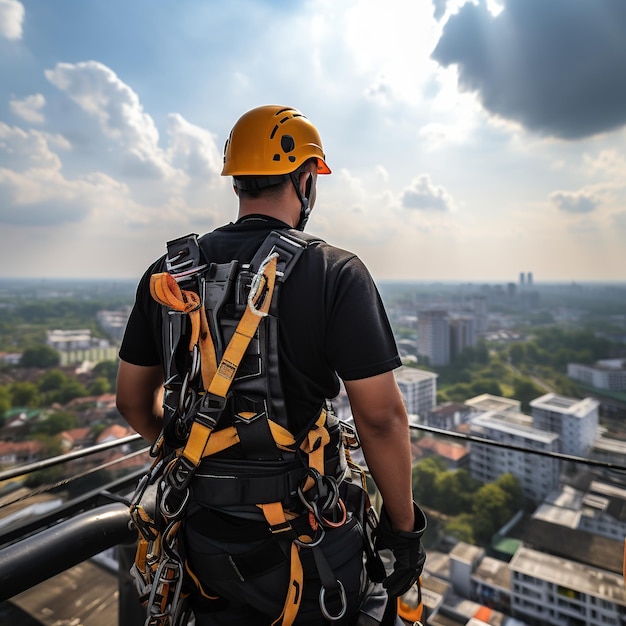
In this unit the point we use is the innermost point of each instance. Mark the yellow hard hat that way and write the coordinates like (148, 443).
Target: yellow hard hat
(272, 140)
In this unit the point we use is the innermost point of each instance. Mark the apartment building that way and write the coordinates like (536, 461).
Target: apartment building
(462, 333)
(419, 389)
(538, 475)
(600, 509)
(576, 421)
(546, 589)
(433, 336)
(609, 374)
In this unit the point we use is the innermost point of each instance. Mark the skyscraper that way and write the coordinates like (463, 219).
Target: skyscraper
(433, 336)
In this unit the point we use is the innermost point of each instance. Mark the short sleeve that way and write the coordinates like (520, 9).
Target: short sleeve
(141, 344)
(360, 342)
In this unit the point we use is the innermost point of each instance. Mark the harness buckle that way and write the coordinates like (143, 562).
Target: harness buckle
(179, 474)
(210, 408)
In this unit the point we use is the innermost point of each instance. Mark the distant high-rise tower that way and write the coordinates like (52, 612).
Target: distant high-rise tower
(480, 307)
(522, 278)
(529, 279)
(433, 336)
(462, 334)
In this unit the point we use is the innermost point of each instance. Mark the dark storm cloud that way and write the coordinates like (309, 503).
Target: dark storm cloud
(555, 66)
(439, 7)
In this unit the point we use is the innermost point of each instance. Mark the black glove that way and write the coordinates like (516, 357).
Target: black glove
(407, 550)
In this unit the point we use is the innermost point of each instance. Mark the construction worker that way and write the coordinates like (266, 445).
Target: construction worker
(331, 325)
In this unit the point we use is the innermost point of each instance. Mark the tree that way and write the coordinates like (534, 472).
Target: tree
(491, 511)
(99, 386)
(513, 491)
(71, 389)
(461, 527)
(424, 478)
(107, 369)
(52, 380)
(40, 355)
(5, 402)
(56, 423)
(24, 394)
(517, 352)
(485, 385)
(449, 498)
(525, 390)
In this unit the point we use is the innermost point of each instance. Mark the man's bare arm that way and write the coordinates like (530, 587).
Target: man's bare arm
(138, 391)
(383, 427)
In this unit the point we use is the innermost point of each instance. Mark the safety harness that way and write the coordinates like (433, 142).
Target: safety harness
(222, 389)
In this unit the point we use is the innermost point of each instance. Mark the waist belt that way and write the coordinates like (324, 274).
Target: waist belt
(222, 483)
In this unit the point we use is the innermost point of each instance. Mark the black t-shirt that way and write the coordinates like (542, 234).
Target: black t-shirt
(331, 318)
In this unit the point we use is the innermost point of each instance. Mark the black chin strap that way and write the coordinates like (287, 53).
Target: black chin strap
(305, 209)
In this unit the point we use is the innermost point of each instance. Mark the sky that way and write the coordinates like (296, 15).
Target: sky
(469, 141)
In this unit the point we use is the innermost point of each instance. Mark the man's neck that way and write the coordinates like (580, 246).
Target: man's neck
(268, 209)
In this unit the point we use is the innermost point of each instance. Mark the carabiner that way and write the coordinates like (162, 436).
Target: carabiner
(324, 609)
(174, 514)
(344, 514)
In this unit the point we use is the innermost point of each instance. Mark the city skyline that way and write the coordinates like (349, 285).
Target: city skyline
(469, 141)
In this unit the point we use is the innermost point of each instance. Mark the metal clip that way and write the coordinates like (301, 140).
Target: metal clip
(180, 473)
(164, 506)
(324, 609)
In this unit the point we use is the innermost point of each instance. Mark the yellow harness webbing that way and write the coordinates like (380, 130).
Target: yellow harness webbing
(165, 290)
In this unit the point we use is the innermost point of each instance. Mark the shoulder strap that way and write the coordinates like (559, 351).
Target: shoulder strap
(289, 244)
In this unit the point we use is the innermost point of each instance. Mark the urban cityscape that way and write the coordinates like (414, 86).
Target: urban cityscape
(491, 414)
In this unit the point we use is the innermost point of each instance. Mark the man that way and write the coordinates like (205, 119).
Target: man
(331, 324)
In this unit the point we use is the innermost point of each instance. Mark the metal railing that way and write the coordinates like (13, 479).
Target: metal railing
(54, 542)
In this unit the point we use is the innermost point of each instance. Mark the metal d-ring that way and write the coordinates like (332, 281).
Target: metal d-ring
(342, 596)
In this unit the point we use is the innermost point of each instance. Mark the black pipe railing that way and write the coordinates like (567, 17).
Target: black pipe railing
(28, 562)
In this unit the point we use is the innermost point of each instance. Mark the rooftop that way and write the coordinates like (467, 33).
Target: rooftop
(406, 374)
(562, 404)
(489, 402)
(566, 573)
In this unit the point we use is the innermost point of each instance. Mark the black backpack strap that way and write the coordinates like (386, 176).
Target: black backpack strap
(289, 244)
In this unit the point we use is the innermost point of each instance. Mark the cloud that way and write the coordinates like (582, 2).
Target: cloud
(98, 91)
(29, 109)
(105, 153)
(578, 202)
(22, 150)
(193, 149)
(439, 8)
(43, 197)
(11, 19)
(423, 195)
(554, 66)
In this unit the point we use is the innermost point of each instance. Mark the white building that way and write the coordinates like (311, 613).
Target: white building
(538, 475)
(559, 592)
(419, 389)
(66, 340)
(598, 510)
(576, 421)
(433, 336)
(608, 374)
